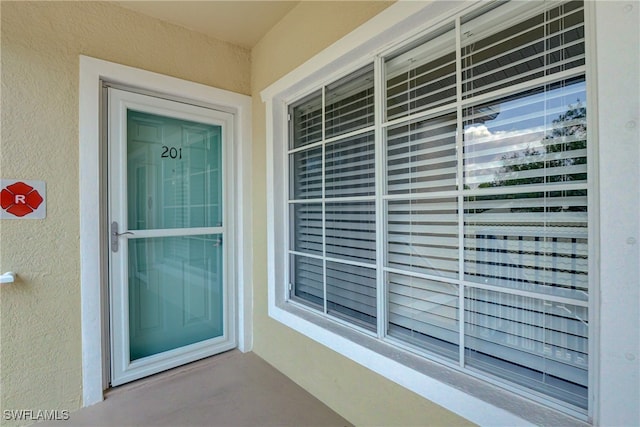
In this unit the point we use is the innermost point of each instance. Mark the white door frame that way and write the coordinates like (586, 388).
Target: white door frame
(92, 247)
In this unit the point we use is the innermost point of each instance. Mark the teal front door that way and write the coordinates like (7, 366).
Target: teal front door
(171, 295)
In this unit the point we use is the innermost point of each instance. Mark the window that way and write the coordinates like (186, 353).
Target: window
(332, 210)
(437, 198)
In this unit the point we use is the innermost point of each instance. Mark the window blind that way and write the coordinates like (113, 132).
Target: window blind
(423, 77)
(307, 221)
(537, 343)
(306, 169)
(350, 166)
(350, 231)
(533, 137)
(351, 293)
(421, 156)
(535, 242)
(308, 275)
(422, 236)
(424, 313)
(305, 124)
(495, 57)
(349, 103)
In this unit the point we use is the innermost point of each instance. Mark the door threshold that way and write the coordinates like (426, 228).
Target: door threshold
(179, 370)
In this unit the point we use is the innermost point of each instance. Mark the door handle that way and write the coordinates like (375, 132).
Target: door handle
(115, 245)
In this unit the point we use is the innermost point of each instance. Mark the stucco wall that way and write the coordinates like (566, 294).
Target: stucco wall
(361, 396)
(40, 355)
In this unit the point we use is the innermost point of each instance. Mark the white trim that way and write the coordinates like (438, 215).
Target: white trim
(92, 71)
(617, 31)
(377, 36)
(593, 209)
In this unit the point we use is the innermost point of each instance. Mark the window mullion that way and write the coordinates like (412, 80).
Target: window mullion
(324, 213)
(380, 174)
(460, 188)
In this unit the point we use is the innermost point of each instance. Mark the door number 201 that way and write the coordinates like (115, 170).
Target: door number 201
(171, 152)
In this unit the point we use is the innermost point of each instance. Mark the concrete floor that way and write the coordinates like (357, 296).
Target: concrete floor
(230, 389)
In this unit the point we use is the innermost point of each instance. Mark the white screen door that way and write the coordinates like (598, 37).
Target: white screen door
(171, 235)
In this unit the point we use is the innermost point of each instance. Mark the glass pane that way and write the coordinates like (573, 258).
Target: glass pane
(495, 56)
(424, 313)
(174, 172)
(306, 121)
(307, 279)
(535, 242)
(349, 103)
(350, 167)
(351, 231)
(306, 174)
(533, 137)
(422, 236)
(351, 293)
(421, 156)
(175, 292)
(306, 231)
(422, 77)
(540, 344)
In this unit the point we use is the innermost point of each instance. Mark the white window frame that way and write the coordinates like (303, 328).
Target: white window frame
(92, 73)
(482, 403)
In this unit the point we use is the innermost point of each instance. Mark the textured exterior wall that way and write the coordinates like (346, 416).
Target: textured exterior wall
(40, 351)
(361, 396)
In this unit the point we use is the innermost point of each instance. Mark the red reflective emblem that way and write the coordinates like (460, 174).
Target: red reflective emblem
(20, 199)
